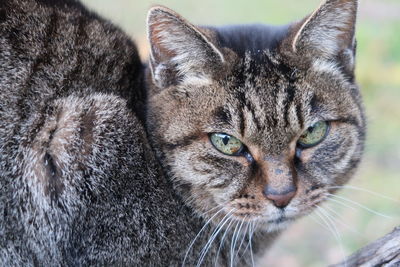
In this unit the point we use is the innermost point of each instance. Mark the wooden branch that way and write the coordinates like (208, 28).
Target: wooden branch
(382, 252)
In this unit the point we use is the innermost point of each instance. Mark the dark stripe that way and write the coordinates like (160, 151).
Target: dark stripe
(221, 184)
(3, 13)
(256, 121)
(349, 120)
(313, 188)
(35, 128)
(54, 185)
(314, 197)
(202, 171)
(332, 148)
(80, 39)
(314, 104)
(240, 96)
(43, 58)
(299, 114)
(272, 120)
(242, 124)
(245, 103)
(219, 162)
(290, 92)
(340, 154)
(21, 105)
(222, 115)
(38, 61)
(184, 142)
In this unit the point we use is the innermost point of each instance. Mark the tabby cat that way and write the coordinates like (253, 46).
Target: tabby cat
(200, 158)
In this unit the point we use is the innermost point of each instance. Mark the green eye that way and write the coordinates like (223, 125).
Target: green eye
(314, 134)
(226, 143)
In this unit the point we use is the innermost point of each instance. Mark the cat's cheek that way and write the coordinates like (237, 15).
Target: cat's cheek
(308, 193)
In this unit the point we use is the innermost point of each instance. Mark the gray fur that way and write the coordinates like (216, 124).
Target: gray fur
(79, 183)
(265, 94)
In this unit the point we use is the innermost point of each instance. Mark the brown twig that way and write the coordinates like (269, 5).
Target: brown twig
(382, 252)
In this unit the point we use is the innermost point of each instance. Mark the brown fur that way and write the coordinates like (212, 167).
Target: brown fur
(80, 184)
(266, 98)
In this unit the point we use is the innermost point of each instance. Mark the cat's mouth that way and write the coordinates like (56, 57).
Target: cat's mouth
(256, 210)
(262, 213)
(269, 222)
(280, 219)
(267, 214)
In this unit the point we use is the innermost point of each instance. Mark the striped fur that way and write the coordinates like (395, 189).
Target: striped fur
(266, 94)
(79, 182)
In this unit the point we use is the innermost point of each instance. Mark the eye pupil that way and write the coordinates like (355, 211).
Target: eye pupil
(226, 143)
(225, 140)
(314, 134)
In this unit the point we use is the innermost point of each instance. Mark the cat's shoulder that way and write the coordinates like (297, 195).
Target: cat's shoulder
(58, 47)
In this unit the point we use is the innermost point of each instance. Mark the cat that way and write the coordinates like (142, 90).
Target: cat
(200, 157)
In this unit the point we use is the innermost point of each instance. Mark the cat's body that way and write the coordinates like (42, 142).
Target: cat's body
(80, 184)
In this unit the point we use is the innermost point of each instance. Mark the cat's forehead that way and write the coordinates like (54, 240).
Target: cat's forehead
(264, 104)
(262, 68)
(271, 103)
(250, 38)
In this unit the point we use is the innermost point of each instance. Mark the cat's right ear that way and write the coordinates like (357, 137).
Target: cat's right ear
(179, 52)
(328, 34)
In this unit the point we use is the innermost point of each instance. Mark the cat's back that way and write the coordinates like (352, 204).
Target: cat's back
(78, 181)
(54, 48)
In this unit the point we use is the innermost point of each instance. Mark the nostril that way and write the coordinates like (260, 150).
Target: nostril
(280, 198)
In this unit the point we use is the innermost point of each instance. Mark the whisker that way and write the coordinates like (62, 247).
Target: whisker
(338, 237)
(324, 224)
(338, 218)
(210, 210)
(251, 247)
(343, 204)
(319, 223)
(221, 243)
(332, 230)
(364, 190)
(252, 228)
(226, 218)
(359, 205)
(234, 243)
(237, 237)
(198, 234)
(243, 237)
(213, 236)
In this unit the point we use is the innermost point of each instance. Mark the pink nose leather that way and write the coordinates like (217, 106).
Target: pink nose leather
(280, 199)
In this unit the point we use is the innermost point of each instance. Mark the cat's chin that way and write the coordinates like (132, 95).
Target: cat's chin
(267, 222)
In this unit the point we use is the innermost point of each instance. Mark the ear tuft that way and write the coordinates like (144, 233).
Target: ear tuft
(180, 52)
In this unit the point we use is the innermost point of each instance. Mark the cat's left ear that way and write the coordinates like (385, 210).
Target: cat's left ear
(328, 33)
(180, 53)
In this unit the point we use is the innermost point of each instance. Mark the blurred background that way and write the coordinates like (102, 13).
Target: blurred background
(307, 243)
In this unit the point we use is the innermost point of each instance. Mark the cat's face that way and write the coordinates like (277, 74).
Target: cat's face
(259, 134)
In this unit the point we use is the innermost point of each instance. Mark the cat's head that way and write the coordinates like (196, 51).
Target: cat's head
(261, 122)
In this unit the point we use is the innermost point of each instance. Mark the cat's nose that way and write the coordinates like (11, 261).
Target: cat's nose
(280, 198)
(279, 176)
